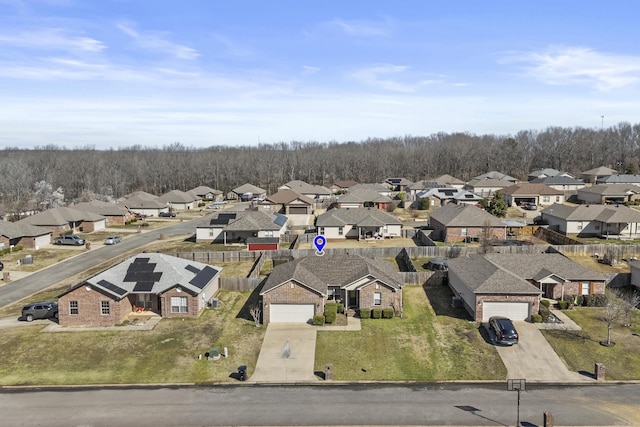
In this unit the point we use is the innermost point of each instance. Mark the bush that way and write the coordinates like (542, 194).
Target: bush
(545, 302)
(536, 318)
(387, 313)
(365, 313)
(563, 305)
(318, 320)
(340, 308)
(545, 313)
(330, 312)
(9, 250)
(376, 313)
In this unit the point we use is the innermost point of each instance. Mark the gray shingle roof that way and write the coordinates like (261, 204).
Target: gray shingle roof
(495, 175)
(60, 216)
(355, 216)
(528, 266)
(14, 230)
(286, 196)
(248, 188)
(245, 221)
(102, 208)
(532, 189)
(176, 196)
(482, 276)
(619, 179)
(602, 213)
(318, 272)
(363, 195)
(557, 180)
(461, 215)
(611, 189)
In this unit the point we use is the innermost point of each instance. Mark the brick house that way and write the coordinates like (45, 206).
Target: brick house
(156, 283)
(298, 290)
(358, 223)
(63, 219)
(461, 222)
(25, 235)
(511, 285)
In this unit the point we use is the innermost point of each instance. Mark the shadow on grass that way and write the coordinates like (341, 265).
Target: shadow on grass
(440, 297)
(252, 301)
(575, 336)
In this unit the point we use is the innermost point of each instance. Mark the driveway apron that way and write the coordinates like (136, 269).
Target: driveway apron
(533, 358)
(287, 354)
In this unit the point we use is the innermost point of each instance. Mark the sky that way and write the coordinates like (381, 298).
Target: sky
(118, 73)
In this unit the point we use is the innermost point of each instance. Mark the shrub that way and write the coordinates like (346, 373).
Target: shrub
(387, 313)
(545, 302)
(563, 305)
(330, 312)
(376, 313)
(9, 250)
(536, 318)
(340, 308)
(545, 313)
(318, 320)
(365, 313)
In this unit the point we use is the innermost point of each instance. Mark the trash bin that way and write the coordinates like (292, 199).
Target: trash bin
(242, 372)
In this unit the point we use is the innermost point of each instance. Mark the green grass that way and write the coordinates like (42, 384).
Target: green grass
(430, 342)
(580, 350)
(167, 354)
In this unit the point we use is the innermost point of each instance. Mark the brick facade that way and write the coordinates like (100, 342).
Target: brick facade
(554, 291)
(390, 298)
(534, 304)
(90, 308)
(165, 302)
(291, 292)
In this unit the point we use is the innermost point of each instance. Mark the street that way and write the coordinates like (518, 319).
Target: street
(362, 404)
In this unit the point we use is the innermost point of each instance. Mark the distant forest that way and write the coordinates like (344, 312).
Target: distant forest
(87, 173)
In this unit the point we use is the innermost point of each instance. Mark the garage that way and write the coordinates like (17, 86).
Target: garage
(291, 313)
(512, 310)
(298, 210)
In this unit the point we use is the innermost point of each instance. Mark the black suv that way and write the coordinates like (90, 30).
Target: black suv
(167, 214)
(1, 266)
(505, 331)
(40, 310)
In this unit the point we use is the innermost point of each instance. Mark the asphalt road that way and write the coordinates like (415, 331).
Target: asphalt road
(42, 279)
(368, 404)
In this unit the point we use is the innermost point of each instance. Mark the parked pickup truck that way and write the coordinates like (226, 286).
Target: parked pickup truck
(70, 239)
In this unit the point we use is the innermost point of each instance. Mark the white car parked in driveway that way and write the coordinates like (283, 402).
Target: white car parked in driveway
(112, 240)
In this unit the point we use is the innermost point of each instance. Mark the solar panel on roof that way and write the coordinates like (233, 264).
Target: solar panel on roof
(227, 215)
(204, 277)
(280, 220)
(219, 221)
(192, 269)
(113, 288)
(143, 287)
(141, 270)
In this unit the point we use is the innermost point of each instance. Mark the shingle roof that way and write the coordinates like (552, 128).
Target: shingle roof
(604, 213)
(248, 188)
(102, 208)
(611, 189)
(380, 188)
(355, 216)
(143, 202)
(153, 272)
(286, 196)
(600, 171)
(495, 175)
(177, 196)
(619, 179)
(557, 180)
(317, 272)
(461, 215)
(60, 216)
(448, 180)
(202, 190)
(15, 230)
(545, 171)
(489, 182)
(531, 189)
(482, 276)
(302, 187)
(345, 183)
(245, 221)
(363, 195)
(529, 266)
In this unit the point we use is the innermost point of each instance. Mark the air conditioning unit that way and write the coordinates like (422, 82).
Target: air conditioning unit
(213, 303)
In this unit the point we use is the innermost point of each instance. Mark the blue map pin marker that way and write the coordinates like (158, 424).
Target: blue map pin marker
(319, 242)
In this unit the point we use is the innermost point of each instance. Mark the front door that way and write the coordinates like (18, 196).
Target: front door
(354, 300)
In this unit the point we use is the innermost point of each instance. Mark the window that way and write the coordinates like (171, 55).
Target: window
(333, 293)
(73, 307)
(144, 301)
(546, 199)
(321, 230)
(340, 231)
(178, 304)
(104, 308)
(586, 287)
(211, 232)
(377, 298)
(579, 225)
(463, 231)
(557, 199)
(268, 233)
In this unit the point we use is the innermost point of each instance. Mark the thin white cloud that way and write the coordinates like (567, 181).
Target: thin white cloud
(390, 77)
(51, 38)
(309, 69)
(362, 28)
(158, 42)
(579, 65)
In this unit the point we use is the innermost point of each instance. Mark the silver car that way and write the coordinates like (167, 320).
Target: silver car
(112, 240)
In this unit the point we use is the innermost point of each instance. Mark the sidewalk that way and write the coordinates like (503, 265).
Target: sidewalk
(142, 325)
(566, 325)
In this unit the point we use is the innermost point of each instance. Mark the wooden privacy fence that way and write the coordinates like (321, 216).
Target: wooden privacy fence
(240, 284)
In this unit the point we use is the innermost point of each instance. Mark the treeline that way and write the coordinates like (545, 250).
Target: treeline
(85, 173)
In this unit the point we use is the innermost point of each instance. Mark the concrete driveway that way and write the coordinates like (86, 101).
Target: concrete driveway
(287, 354)
(534, 359)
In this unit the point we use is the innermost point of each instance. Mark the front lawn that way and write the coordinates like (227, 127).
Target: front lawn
(431, 342)
(580, 350)
(167, 354)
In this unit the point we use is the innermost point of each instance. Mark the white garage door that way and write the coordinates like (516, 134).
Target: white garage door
(512, 310)
(291, 313)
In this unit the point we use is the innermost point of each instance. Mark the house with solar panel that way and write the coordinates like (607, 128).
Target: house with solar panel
(153, 283)
(241, 226)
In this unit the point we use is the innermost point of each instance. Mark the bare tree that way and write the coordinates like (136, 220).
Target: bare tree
(256, 312)
(629, 301)
(611, 314)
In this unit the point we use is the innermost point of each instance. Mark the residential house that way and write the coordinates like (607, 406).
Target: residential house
(364, 198)
(449, 181)
(421, 186)
(398, 184)
(233, 227)
(154, 283)
(539, 194)
(496, 175)
(621, 179)
(202, 192)
(383, 189)
(25, 235)
(298, 290)
(560, 182)
(63, 220)
(438, 197)
(358, 223)
(144, 204)
(114, 213)
(247, 192)
(510, 285)
(287, 202)
(314, 192)
(592, 175)
(461, 222)
(176, 200)
(609, 193)
(487, 187)
(341, 186)
(546, 173)
(613, 221)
